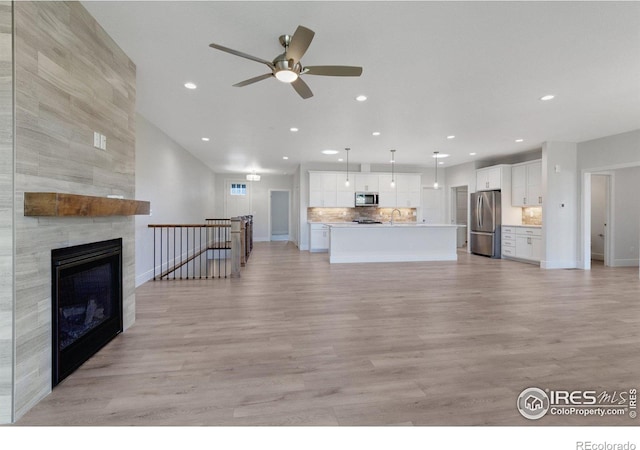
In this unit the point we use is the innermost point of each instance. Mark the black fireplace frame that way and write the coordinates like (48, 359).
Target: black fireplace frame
(67, 360)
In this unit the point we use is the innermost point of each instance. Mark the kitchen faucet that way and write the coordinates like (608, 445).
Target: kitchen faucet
(399, 214)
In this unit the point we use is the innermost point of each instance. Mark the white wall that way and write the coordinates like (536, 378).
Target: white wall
(620, 150)
(609, 153)
(560, 218)
(259, 200)
(179, 186)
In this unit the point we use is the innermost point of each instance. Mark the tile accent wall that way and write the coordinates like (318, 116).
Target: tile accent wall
(532, 216)
(350, 214)
(6, 211)
(71, 80)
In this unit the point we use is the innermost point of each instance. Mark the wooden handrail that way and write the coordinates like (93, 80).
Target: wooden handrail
(197, 225)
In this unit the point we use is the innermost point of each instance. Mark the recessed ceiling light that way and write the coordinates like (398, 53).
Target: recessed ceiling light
(206, 139)
(330, 152)
(472, 154)
(547, 97)
(519, 140)
(285, 157)
(440, 162)
(361, 98)
(376, 133)
(440, 155)
(190, 85)
(293, 129)
(340, 159)
(451, 136)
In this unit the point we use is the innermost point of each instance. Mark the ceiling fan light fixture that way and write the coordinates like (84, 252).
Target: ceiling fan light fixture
(286, 76)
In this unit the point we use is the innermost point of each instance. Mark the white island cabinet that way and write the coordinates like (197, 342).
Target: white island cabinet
(356, 243)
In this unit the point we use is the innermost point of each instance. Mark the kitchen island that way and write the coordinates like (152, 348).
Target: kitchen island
(385, 242)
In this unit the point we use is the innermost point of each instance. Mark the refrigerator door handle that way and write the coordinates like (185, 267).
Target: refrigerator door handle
(481, 212)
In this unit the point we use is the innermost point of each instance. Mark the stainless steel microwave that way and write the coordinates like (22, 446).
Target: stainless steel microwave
(366, 199)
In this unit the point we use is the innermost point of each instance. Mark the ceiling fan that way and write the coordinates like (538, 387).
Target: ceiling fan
(288, 68)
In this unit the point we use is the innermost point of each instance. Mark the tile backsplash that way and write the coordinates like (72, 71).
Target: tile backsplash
(532, 215)
(350, 214)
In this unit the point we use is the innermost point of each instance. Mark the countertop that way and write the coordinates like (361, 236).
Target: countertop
(388, 225)
(523, 226)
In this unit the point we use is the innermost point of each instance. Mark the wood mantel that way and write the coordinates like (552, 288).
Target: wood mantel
(66, 205)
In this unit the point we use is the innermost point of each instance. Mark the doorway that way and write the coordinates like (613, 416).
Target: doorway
(599, 220)
(279, 216)
(460, 212)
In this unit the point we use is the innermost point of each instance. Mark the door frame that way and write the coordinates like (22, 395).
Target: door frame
(453, 210)
(609, 237)
(288, 191)
(609, 230)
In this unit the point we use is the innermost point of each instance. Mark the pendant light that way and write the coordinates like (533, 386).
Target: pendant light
(253, 176)
(346, 183)
(393, 173)
(435, 156)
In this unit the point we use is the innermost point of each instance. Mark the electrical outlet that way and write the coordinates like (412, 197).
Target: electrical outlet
(96, 139)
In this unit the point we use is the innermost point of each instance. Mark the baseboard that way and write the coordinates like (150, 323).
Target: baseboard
(144, 277)
(572, 264)
(597, 256)
(626, 263)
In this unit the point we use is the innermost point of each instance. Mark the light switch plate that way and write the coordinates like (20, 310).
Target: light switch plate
(96, 139)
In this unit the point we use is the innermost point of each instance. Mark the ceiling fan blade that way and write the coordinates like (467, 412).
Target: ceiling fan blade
(300, 42)
(334, 71)
(301, 88)
(254, 80)
(243, 55)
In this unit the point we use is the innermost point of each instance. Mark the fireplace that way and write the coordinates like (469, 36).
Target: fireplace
(87, 302)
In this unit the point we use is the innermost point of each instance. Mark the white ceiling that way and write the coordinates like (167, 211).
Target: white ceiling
(475, 70)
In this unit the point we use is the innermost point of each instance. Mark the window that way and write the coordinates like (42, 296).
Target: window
(238, 188)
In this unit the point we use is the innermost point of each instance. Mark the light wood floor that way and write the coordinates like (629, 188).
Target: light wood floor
(299, 341)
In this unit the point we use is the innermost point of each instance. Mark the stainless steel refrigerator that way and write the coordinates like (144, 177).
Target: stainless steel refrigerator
(485, 223)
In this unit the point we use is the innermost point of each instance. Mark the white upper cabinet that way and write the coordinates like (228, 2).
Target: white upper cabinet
(328, 190)
(526, 184)
(489, 178)
(367, 182)
(534, 183)
(405, 194)
(323, 189)
(408, 186)
(346, 197)
(518, 185)
(387, 193)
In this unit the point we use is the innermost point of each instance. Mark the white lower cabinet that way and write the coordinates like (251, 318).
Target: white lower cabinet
(523, 243)
(508, 242)
(318, 237)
